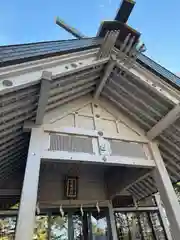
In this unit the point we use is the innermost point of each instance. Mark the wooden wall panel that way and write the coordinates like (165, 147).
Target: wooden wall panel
(90, 181)
(95, 115)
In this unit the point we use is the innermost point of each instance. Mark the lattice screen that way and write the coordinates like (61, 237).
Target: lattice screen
(127, 149)
(70, 143)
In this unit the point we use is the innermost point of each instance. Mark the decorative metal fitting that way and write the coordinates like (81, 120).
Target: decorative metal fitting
(7, 83)
(100, 133)
(74, 65)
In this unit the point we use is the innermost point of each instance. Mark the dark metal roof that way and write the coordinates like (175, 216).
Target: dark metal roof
(13, 54)
(158, 69)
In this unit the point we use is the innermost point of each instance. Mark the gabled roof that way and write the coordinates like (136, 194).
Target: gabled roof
(74, 75)
(145, 106)
(140, 92)
(14, 54)
(158, 70)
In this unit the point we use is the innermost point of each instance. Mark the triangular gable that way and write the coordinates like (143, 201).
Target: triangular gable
(88, 114)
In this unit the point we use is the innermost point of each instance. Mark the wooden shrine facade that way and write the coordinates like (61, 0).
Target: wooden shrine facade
(84, 154)
(84, 122)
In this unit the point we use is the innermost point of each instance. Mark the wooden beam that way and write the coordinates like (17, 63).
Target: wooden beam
(124, 11)
(104, 79)
(124, 182)
(44, 94)
(135, 209)
(164, 123)
(90, 133)
(8, 213)
(61, 156)
(28, 125)
(69, 29)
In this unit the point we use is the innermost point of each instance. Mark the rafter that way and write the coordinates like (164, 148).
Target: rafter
(164, 123)
(44, 94)
(107, 72)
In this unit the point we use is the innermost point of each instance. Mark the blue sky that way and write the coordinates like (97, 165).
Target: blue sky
(158, 21)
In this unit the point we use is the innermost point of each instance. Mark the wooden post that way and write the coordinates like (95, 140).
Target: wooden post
(85, 226)
(167, 193)
(70, 226)
(112, 221)
(49, 227)
(163, 216)
(90, 233)
(26, 217)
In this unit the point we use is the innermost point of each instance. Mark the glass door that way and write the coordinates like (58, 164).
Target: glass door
(139, 226)
(58, 227)
(74, 225)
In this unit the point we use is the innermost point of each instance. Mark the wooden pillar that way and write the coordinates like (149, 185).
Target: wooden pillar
(112, 221)
(85, 226)
(167, 193)
(70, 226)
(109, 232)
(151, 225)
(90, 233)
(26, 217)
(163, 216)
(49, 227)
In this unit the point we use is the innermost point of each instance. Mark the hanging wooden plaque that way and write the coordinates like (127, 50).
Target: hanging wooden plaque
(71, 187)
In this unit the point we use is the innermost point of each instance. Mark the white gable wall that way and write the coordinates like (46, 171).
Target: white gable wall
(86, 114)
(100, 115)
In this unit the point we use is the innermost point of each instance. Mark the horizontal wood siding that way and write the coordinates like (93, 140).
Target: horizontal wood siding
(90, 182)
